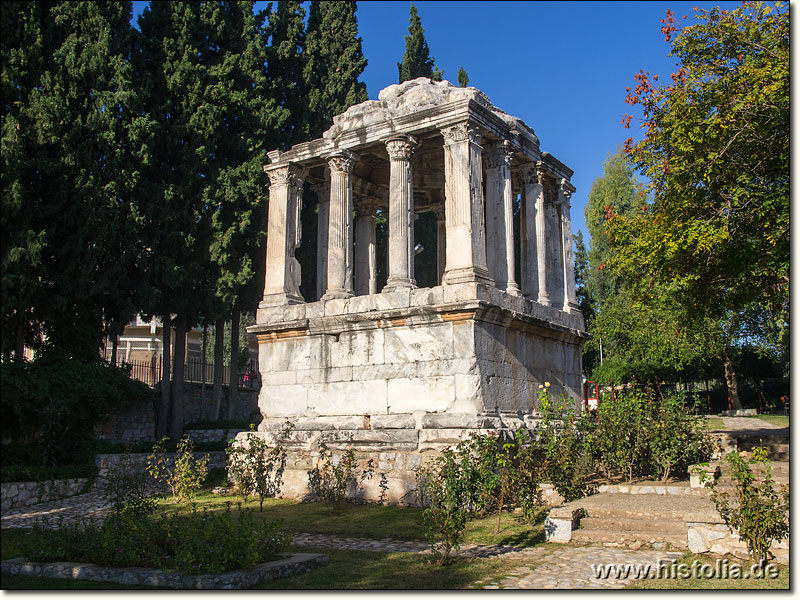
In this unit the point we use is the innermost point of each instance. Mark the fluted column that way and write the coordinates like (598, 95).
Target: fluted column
(541, 238)
(527, 180)
(282, 278)
(401, 214)
(441, 243)
(365, 279)
(463, 187)
(500, 217)
(340, 226)
(565, 190)
(323, 192)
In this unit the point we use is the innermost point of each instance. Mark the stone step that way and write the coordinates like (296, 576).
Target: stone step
(635, 526)
(632, 540)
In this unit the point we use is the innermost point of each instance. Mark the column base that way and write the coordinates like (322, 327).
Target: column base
(337, 295)
(572, 308)
(399, 283)
(280, 299)
(466, 275)
(512, 289)
(544, 299)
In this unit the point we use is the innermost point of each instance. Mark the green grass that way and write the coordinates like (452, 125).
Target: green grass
(779, 420)
(700, 583)
(371, 521)
(715, 423)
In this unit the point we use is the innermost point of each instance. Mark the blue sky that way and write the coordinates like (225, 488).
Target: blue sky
(562, 67)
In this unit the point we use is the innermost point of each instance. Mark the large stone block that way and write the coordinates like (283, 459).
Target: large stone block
(413, 344)
(431, 394)
(348, 397)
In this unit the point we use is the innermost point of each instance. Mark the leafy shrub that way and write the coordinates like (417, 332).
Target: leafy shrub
(638, 434)
(756, 511)
(445, 487)
(127, 489)
(58, 395)
(198, 543)
(566, 442)
(255, 468)
(333, 479)
(184, 475)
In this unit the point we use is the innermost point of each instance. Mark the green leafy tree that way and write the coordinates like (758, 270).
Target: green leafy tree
(463, 78)
(417, 60)
(716, 151)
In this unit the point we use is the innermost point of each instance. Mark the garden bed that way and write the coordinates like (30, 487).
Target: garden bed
(289, 564)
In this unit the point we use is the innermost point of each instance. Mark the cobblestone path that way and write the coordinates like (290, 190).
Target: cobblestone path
(53, 514)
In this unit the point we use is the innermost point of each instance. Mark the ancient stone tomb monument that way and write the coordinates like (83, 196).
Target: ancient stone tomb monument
(398, 370)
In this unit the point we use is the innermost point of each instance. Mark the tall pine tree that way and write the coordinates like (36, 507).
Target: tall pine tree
(417, 60)
(333, 62)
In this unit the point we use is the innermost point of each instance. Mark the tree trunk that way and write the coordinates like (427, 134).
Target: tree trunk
(164, 408)
(730, 381)
(219, 342)
(114, 346)
(19, 343)
(234, 382)
(203, 367)
(708, 397)
(176, 422)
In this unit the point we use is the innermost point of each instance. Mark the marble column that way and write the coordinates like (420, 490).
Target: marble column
(541, 238)
(340, 226)
(527, 180)
(282, 281)
(323, 192)
(441, 243)
(463, 187)
(565, 190)
(365, 279)
(500, 217)
(401, 214)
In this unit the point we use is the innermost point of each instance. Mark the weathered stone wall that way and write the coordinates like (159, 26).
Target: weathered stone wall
(137, 424)
(716, 538)
(414, 359)
(26, 493)
(394, 455)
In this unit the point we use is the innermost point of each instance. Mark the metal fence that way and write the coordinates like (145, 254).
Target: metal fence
(150, 372)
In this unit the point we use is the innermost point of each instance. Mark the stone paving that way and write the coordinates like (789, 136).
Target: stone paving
(53, 514)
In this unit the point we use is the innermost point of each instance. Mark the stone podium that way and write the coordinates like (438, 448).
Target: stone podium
(401, 371)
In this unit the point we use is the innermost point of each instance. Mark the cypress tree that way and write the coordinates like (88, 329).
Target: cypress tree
(333, 62)
(463, 78)
(76, 154)
(284, 37)
(417, 60)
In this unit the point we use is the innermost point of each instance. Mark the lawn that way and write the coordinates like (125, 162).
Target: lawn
(715, 423)
(779, 420)
(713, 583)
(347, 569)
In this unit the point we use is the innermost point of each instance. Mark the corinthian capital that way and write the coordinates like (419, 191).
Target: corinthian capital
(565, 189)
(498, 155)
(460, 132)
(401, 148)
(342, 161)
(289, 174)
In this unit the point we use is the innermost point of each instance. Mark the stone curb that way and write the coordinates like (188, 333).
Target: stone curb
(232, 580)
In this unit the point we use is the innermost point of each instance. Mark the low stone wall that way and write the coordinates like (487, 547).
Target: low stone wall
(133, 425)
(26, 493)
(199, 436)
(138, 424)
(108, 462)
(716, 538)
(291, 564)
